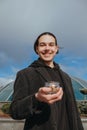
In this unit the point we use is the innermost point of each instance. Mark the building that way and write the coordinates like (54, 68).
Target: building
(7, 91)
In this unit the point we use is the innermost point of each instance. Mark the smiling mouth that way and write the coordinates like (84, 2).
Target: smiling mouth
(47, 54)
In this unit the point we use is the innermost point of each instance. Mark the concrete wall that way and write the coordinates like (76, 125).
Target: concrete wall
(10, 124)
(84, 121)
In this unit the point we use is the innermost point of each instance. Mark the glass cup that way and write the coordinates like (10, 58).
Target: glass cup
(54, 85)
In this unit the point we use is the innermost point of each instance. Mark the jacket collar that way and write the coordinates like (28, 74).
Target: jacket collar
(43, 72)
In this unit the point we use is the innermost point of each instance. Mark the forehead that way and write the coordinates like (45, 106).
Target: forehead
(46, 38)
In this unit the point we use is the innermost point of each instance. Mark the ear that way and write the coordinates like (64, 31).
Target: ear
(36, 49)
(57, 49)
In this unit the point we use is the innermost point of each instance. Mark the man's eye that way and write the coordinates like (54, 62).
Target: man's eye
(52, 44)
(42, 44)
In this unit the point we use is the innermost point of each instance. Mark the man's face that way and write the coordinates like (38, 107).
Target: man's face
(47, 48)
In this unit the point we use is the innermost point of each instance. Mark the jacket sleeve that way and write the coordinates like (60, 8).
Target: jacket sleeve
(23, 104)
(75, 115)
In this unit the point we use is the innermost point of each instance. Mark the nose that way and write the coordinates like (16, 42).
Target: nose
(47, 47)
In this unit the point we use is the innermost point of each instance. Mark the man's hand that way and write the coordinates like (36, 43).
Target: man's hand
(44, 95)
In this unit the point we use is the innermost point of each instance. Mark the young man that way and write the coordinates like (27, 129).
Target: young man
(34, 102)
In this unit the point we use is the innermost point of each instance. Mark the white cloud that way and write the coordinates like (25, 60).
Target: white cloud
(14, 69)
(76, 71)
(22, 21)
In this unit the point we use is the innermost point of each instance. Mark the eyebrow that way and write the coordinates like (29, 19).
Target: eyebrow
(47, 43)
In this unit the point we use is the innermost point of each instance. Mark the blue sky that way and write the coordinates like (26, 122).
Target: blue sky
(21, 21)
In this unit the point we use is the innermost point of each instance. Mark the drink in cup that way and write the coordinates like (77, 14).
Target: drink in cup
(54, 85)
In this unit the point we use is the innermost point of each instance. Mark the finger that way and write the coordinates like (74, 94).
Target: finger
(56, 97)
(55, 100)
(45, 90)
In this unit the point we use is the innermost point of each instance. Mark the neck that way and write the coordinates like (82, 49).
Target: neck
(50, 64)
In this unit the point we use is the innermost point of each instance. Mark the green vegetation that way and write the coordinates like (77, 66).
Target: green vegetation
(82, 107)
(5, 108)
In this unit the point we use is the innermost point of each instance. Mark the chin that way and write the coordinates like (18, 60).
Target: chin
(47, 60)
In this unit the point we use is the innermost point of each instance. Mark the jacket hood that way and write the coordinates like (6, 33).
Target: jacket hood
(40, 63)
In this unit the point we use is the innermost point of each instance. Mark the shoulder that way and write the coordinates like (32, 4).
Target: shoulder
(25, 70)
(62, 72)
(65, 75)
(29, 71)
